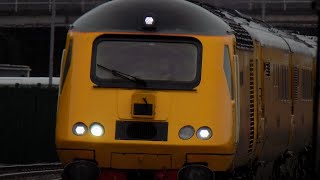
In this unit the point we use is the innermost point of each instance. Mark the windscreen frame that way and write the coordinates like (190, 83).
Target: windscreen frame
(151, 84)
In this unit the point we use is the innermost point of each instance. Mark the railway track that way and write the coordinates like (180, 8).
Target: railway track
(31, 171)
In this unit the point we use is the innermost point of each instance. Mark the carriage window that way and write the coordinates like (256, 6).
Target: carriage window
(280, 87)
(158, 64)
(307, 84)
(241, 78)
(287, 83)
(275, 75)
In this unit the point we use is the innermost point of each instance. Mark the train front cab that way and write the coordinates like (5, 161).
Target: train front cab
(142, 125)
(144, 100)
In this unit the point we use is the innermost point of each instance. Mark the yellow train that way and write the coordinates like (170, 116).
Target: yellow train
(170, 89)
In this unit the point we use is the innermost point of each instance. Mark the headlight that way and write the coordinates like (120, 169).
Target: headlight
(96, 129)
(204, 133)
(79, 129)
(186, 132)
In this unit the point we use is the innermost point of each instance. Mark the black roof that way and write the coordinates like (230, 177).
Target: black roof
(172, 16)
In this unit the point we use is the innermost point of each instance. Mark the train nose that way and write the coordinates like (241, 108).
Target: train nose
(81, 170)
(195, 172)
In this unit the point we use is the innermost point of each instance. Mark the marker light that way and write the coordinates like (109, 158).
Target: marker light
(96, 129)
(79, 129)
(186, 132)
(149, 20)
(204, 133)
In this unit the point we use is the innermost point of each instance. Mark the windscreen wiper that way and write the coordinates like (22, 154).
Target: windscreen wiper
(124, 75)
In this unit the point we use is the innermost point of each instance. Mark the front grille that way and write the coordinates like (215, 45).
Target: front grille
(141, 130)
(133, 130)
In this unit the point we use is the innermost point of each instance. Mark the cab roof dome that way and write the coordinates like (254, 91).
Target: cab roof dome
(171, 16)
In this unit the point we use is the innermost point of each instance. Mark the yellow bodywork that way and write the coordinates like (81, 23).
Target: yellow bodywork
(209, 104)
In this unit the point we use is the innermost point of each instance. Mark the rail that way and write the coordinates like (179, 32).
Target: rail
(34, 171)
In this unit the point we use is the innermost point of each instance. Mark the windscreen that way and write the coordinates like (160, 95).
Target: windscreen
(151, 62)
(159, 61)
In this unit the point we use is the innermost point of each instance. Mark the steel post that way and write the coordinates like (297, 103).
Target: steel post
(53, 17)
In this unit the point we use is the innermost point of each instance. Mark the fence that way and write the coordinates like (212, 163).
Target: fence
(27, 130)
(17, 6)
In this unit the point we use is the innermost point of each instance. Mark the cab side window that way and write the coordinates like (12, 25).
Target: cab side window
(67, 63)
(227, 69)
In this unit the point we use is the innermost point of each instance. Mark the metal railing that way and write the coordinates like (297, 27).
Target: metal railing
(17, 5)
(49, 2)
